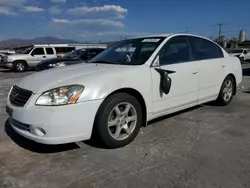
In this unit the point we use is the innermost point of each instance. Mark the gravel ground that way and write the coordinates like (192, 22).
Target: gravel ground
(203, 147)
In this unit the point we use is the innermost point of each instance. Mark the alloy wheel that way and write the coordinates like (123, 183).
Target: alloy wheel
(20, 67)
(122, 121)
(228, 90)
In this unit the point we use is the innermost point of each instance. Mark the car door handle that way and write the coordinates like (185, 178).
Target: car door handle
(44, 56)
(196, 72)
(223, 66)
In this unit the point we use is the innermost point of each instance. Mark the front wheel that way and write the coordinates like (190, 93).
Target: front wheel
(118, 120)
(20, 66)
(226, 91)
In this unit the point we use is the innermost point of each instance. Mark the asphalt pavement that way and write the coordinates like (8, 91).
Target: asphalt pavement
(202, 147)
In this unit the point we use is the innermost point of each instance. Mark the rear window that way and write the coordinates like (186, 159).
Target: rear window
(204, 49)
(49, 51)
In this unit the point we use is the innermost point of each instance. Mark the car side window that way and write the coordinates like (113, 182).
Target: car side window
(176, 50)
(49, 51)
(100, 51)
(92, 53)
(38, 51)
(204, 49)
(85, 55)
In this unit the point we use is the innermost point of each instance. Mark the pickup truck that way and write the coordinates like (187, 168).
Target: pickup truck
(29, 58)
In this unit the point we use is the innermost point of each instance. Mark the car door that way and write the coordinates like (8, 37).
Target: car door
(212, 67)
(37, 55)
(50, 53)
(175, 57)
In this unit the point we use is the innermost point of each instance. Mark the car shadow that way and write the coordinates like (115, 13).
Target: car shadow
(95, 142)
(246, 72)
(10, 71)
(36, 147)
(247, 92)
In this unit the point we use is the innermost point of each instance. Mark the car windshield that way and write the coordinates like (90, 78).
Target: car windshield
(234, 50)
(129, 52)
(73, 54)
(27, 51)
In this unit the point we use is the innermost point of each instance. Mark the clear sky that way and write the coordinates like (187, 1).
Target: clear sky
(109, 19)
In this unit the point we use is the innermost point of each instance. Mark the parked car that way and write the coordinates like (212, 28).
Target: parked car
(71, 58)
(1, 56)
(29, 58)
(1, 60)
(242, 53)
(120, 90)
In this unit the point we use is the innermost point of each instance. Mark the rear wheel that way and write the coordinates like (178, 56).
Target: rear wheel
(20, 66)
(118, 120)
(226, 91)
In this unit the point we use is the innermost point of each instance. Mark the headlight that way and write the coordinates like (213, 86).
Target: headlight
(61, 96)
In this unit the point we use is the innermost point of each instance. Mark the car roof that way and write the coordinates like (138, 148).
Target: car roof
(171, 34)
(156, 35)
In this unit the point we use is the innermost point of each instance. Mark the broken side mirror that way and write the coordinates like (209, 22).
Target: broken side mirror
(165, 81)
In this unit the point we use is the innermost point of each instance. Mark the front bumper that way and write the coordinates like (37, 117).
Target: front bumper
(7, 65)
(61, 124)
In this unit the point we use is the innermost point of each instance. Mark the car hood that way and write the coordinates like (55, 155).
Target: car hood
(76, 74)
(18, 55)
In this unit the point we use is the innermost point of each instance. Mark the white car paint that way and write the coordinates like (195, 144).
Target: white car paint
(194, 83)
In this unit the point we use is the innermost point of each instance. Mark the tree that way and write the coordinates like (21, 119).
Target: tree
(234, 41)
(220, 40)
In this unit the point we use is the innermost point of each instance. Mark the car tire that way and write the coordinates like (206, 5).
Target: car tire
(226, 92)
(20, 66)
(118, 120)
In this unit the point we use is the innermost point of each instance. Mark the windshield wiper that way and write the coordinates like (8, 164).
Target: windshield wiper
(101, 61)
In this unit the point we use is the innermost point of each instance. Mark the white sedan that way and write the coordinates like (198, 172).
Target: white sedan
(121, 89)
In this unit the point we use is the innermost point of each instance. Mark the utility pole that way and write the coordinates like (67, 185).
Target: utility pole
(186, 30)
(220, 25)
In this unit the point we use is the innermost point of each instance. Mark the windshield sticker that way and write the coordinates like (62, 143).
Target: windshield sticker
(151, 40)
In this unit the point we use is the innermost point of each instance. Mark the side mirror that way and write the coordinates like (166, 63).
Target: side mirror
(166, 81)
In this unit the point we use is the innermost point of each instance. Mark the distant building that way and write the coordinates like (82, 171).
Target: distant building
(242, 35)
